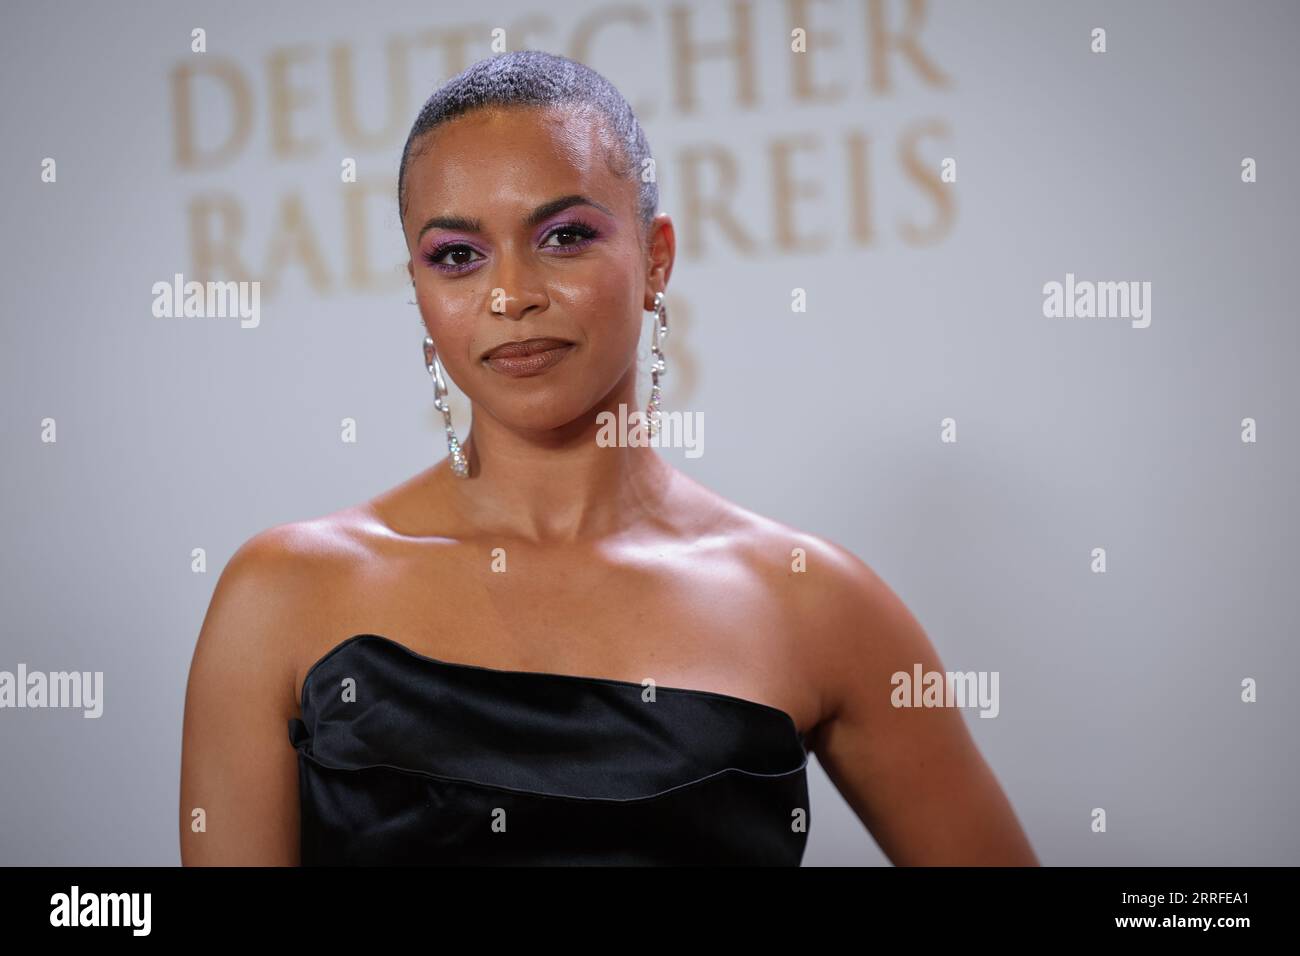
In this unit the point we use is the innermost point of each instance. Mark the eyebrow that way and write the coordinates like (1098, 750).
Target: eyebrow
(542, 212)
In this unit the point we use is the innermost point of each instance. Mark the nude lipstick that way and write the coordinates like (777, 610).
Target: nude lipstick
(527, 357)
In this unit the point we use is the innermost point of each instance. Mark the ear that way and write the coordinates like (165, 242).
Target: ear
(410, 269)
(660, 252)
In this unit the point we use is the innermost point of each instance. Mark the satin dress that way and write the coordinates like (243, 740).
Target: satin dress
(405, 759)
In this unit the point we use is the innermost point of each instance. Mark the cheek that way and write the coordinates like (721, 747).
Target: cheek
(609, 309)
(449, 322)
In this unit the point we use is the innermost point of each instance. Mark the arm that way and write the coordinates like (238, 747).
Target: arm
(913, 775)
(236, 760)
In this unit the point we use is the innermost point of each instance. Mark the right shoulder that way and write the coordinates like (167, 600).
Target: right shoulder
(237, 758)
(278, 590)
(296, 556)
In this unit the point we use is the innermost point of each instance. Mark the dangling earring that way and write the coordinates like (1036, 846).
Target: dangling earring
(658, 368)
(459, 466)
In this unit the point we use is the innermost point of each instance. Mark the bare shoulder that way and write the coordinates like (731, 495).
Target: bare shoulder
(291, 567)
(828, 579)
(853, 628)
(278, 587)
(238, 794)
(299, 551)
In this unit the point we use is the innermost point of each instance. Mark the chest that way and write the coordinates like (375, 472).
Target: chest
(651, 615)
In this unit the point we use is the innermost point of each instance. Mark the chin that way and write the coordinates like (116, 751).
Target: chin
(540, 413)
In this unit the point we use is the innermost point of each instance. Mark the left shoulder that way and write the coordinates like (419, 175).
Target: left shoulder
(852, 626)
(830, 582)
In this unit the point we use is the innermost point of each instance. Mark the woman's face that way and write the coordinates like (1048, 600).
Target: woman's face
(501, 251)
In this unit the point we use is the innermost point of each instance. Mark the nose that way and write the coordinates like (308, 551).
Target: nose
(517, 287)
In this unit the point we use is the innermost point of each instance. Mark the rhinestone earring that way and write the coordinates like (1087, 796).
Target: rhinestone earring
(459, 466)
(658, 368)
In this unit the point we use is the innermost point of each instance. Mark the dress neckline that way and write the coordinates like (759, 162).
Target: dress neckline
(550, 675)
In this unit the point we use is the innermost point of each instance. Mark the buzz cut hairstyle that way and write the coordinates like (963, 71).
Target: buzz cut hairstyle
(525, 78)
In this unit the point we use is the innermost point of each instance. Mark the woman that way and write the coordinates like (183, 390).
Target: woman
(548, 648)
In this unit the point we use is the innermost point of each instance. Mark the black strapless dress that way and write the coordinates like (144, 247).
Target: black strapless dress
(405, 759)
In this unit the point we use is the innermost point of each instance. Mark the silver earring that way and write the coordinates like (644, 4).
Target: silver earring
(658, 368)
(459, 466)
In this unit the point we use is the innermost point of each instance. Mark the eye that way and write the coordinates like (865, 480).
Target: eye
(455, 249)
(583, 233)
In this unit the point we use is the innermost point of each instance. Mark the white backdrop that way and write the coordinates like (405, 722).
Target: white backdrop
(1119, 690)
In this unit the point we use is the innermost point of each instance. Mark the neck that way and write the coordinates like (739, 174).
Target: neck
(558, 485)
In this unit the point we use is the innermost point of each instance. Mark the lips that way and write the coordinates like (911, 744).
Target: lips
(525, 347)
(529, 357)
